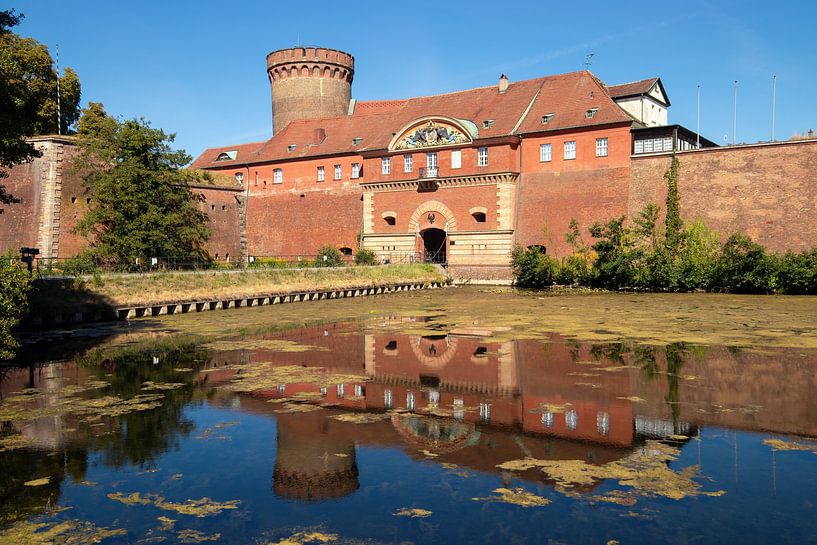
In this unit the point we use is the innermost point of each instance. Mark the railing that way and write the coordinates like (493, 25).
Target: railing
(75, 266)
(428, 172)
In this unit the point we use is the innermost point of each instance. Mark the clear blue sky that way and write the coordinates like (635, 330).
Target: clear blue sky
(197, 68)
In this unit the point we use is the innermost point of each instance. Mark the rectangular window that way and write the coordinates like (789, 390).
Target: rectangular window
(277, 176)
(546, 153)
(639, 146)
(648, 145)
(385, 165)
(338, 172)
(482, 157)
(601, 147)
(570, 149)
(355, 170)
(456, 158)
(431, 164)
(408, 163)
(321, 174)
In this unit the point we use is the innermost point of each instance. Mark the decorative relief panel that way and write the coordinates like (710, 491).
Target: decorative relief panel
(431, 134)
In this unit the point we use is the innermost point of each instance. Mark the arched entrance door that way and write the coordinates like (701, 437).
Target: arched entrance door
(434, 246)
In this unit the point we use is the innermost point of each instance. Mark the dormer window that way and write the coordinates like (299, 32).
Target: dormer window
(488, 123)
(357, 140)
(591, 113)
(227, 156)
(546, 118)
(291, 147)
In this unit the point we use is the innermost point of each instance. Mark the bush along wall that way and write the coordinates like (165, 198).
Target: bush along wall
(644, 255)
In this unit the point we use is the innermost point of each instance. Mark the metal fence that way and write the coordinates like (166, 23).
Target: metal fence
(78, 266)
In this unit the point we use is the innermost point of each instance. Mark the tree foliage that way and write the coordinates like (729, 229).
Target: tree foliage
(28, 96)
(141, 203)
(673, 224)
(14, 285)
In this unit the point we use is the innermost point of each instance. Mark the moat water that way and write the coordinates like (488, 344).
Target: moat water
(463, 415)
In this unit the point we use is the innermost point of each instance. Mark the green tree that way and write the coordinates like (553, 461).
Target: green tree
(14, 285)
(674, 225)
(141, 203)
(28, 96)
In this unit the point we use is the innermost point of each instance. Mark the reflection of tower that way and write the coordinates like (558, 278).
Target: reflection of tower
(309, 83)
(315, 460)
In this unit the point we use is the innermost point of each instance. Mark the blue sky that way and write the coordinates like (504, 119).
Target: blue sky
(197, 68)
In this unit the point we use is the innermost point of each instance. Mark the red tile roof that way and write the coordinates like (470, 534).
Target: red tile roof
(633, 88)
(518, 110)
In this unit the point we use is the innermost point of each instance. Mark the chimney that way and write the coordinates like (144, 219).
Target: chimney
(503, 83)
(318, 136)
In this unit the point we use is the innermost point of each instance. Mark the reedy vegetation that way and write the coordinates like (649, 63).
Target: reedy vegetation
(679, 257)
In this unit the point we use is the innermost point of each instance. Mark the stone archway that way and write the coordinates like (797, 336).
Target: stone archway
(443, 217)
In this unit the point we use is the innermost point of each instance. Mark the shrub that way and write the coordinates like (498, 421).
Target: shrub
(328, 256)
(79, 265)
(743, 267)
(364, 257)
(574, 270)
(698, 257)
(532, 268)
(797, 273)
(14, 286)
(613, 267)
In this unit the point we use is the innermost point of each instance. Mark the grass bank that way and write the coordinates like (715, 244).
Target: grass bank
(80, 295)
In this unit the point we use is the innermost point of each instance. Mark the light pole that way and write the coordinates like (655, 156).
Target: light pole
(735, 116)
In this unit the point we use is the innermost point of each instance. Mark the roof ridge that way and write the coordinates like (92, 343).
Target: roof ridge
(634, 81)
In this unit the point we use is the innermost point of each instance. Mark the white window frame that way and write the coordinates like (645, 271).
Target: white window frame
(239, 177)
(355, 171)
(570, 150)
(278, 176)
(408, 163)
(482, 156)
(545, 153)
(385, 165)
(456, 158)
(321, 174)
(338, 172)
(602, 147)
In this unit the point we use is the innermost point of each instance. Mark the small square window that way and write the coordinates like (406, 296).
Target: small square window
(338, 172)
(321, 174)
(385, 165)
(482, 157)
(601, 147)
(546, 153)
(408, 163)
(570, 149)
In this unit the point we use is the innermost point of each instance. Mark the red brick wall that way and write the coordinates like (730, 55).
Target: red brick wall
(460, 200)
(224, 209)
(19, 221)
(295, 223)
(549, 200)
(71, 243)
(768, 192)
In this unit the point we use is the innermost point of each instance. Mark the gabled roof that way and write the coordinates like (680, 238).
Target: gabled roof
(637, 88)
(244, 153)
(518, 110)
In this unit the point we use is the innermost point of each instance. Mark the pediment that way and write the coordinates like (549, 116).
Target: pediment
(433, 132)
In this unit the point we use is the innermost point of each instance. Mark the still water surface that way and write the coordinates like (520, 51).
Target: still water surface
(448, 418)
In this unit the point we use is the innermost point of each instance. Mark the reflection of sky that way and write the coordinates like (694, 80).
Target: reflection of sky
(390, 479)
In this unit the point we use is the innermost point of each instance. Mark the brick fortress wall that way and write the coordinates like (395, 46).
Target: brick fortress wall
(768, 191)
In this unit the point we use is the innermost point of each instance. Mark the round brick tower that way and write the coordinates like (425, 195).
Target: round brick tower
(309, 82)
